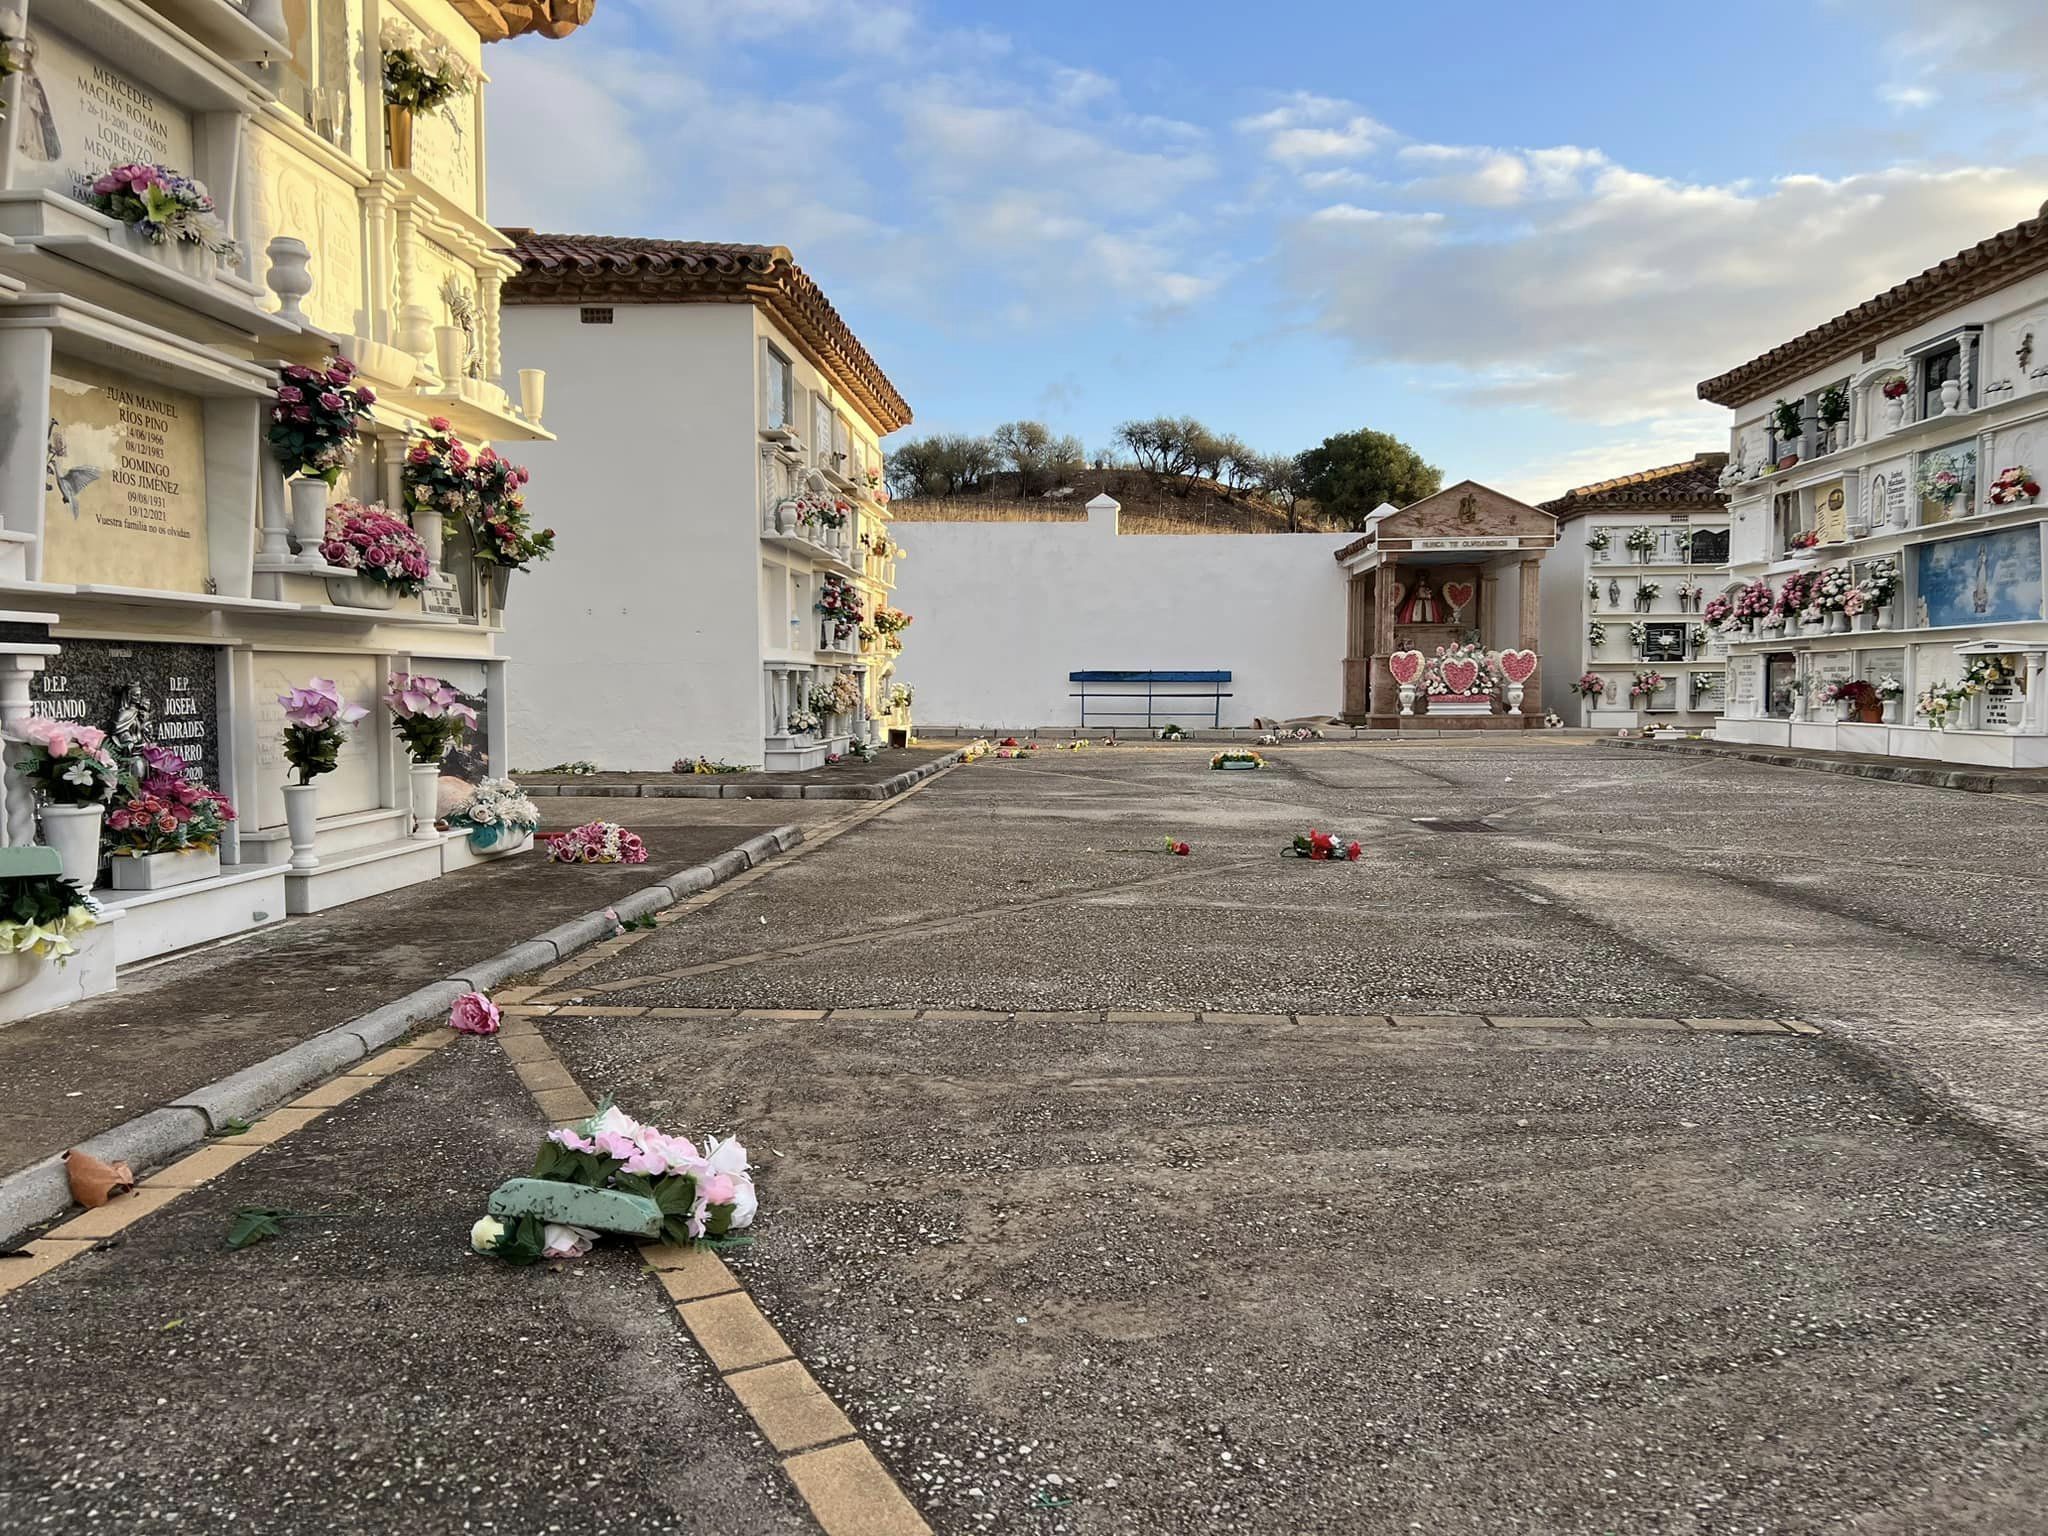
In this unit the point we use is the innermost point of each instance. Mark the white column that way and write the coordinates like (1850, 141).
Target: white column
(18, 824)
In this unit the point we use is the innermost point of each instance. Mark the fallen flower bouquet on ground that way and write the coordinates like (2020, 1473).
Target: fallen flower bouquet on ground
(1324, 845)
(596, 842)
(624, 1177)
(1237, 757)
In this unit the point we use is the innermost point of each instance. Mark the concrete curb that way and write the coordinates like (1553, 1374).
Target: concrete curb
(738, 787)
(33, 1195)
(1972, 781)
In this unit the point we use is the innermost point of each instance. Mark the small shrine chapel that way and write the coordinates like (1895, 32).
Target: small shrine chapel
(1451, 568)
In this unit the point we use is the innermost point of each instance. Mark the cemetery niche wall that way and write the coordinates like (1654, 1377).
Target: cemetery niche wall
(159, 581)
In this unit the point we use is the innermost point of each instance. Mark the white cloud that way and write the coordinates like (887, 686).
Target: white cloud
(1909, 98)
(1309, 127)
(1608, 309)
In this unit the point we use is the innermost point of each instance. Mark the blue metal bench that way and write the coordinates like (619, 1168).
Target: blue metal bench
(1124, 687)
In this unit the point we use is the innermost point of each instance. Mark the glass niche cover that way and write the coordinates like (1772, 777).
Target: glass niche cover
(1988, 578)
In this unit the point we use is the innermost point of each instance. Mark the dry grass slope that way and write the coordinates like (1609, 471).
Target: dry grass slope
(1152, 504)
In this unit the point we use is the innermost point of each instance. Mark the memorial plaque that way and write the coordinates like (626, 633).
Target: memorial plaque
(1745, 682)
(1664, 642)
(80, 117)
(444, 150)
(140, 690)
(1824, 668)
(124, 500)
(443, 601)
(1831, 512)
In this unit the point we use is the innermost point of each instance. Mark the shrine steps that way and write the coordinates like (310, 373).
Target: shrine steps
(360, 873)
(1436, 725)
(240, 898)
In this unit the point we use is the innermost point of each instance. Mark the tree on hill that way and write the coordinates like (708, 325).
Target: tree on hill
(1034, 455)
(1352, 473)
(946, 464)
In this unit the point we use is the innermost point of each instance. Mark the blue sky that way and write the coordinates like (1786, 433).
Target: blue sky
(1516, 237)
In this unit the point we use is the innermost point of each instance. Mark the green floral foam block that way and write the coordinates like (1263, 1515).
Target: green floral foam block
(601, 1210)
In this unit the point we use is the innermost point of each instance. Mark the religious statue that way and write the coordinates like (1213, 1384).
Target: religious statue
(131, 733)
(1980, 594)
(1421, 606)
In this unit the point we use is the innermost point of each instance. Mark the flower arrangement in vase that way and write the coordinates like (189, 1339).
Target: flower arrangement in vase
(161, 207)
(420, 75)
(1641, 542)
(1638, 637)
(438, 475)
(1647, 593)
(497, 815)
(384, 557)
(839, 600)
(799, 722)
(1719, 610)
(428, 714)
(1786, 423)
(1590, 686)
(1946, 477)
(163, 828)
(1596, 635)
(1599, 541)
(73, 776)
(890, 624)
(1833, 409)
(1645, 685)
(2014, 487)
(1809, 539)
(845, 694)
(500, 525)
(1858, 700)
(315, 718)
(1829, 592)
(316, 416)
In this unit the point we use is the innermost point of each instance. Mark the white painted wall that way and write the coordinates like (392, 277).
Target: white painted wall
(1006, 610)
(638, 643)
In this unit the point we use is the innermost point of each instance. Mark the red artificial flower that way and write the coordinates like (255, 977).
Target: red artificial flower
(1181, 850)
(2032, 488)
(1352, 851)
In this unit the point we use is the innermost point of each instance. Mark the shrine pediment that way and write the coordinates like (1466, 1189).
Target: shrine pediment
(1468, 510)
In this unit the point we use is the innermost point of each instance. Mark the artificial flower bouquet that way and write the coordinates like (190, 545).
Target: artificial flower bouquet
(1179, 847)
(1945, 476)
(1754, 601)
(596, 842)
(162, 205)
(500, 525)
(421, 73)
(1596, 635)
(163, 811)
(1645, 684)
(1641, 541)
(1600, 540)
(890, 624)
(1831, 588)
(705, 1196)
(316, 416)
(1459, 671)
(1895, 389)
(1890, 688)
(315, 716)
(1324, 846)
(427, 713)
(498, 808)
(1849, 691)
(1806, 540)
(976, 750)
(704, 765)
(1590, 686)
(1171, 732)
(2014, 487)
(39, 914)
(839, 600)
(1638, 635)
(436, 475)
(1881, 580)
(1237, 757)
(365, 539)
(901, 696)
(800, 722)
(1719, 611)
(67, 763)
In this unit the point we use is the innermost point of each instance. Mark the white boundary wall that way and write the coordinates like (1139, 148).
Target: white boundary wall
(1005, 611)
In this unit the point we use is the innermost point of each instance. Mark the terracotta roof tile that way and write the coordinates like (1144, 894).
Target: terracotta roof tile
(1694, 483)
(1988, 265)
(496, 20)
(630, 269)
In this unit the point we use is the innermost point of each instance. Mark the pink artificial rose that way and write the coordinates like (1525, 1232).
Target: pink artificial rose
(90, 737)
(330, 401)
(617, 1144)
(438, 423)
(290, 394)
(560, 1241)
(718, 1189)
(473, 1014)
(366, 396)
(569, 1139)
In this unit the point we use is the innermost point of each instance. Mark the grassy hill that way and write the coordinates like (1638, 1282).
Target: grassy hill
(1152, 503)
